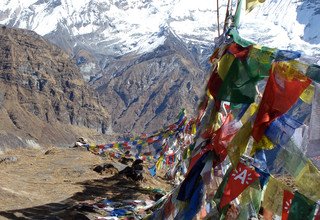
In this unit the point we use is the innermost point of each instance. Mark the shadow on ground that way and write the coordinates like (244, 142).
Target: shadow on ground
(115, 188)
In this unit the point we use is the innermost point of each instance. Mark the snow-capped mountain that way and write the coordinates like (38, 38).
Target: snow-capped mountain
(285, 24)
(118, 27)
(148, 58)
(111, 27)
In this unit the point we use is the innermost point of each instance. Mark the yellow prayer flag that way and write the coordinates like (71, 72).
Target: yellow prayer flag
(248, 114)
(159, 163)
(261, 54)
(193, 128)
(289, 70)
(273, 196)
(308, 181)
(93, 147)
(209, 94)
(250, 4)
(224, 65)
(264, 143)
(307, 95)
(239, 143)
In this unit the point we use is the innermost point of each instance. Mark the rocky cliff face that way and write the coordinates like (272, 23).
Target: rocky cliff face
(43, 97)
(143, 93)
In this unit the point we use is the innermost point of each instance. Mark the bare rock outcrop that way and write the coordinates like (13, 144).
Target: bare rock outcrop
(43, 97)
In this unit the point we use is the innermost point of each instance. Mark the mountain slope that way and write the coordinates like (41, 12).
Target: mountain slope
(148, 90)
(44, 99)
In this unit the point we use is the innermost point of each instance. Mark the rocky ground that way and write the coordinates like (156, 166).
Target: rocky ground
(54, 183)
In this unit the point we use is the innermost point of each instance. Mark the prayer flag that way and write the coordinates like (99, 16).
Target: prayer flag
(273, 196)
(287, 200)
(239, 143)
(283, 89)
(239, 179)
(263, 177)
(301, 208)
(250, 4)
(308, 181)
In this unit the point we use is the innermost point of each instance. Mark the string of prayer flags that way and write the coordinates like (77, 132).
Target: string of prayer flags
(269, 140)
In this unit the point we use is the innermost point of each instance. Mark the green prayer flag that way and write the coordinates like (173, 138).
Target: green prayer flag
(250, 201)
(236, 37)
(301, 208)
(308, 181)
(239, 85)
(238, 13)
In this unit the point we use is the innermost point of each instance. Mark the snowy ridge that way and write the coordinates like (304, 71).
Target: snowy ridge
(119, 27)
(285, 25)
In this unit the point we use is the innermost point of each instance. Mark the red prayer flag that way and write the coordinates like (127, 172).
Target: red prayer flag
(239, 51)
(239, 179)
(214, 83)
(280, 94)
(317, 216)
(150, 140)
(287, 200)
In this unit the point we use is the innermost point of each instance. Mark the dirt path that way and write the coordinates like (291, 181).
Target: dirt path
(49, 184)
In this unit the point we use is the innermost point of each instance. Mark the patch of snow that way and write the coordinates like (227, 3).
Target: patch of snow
(32, 144)
(88, 67)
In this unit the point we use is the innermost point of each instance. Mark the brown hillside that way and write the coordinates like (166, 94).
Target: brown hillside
(43, 97)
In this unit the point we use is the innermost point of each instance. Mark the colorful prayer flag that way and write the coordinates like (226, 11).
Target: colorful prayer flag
(287, 200)
(239, 179)
(250, 4)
